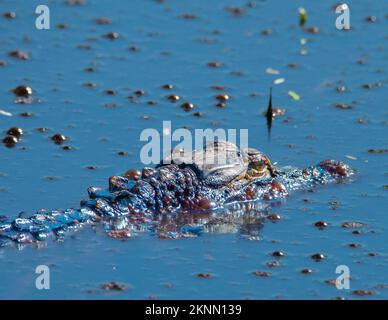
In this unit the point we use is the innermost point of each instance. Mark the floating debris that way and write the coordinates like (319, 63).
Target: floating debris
(122, 153)
(371, 19)
(363, 293)
(222, 97)
(354, 245)
(236, 11)
(273, 217)
(279, 81)
(15, 131)
(221, 105)
(302, 16)
(188, 16)
(58, 138)
(26, 114)
(5, 113)
(62, 26)
(103, 21)
(377, 151)
(173, 97)
(134, 49)
(278, 254)
(321, 224)
(110, 92)
(294, 95)
(19, 54)
(187, 106)
(353, 224)
(114, 286)
(75, 2)
(272, 71)
(218, 87)
(343, 106)
(340, 89)
(362, 121)
(111, 35)
(262, 274)
(22, 91)
(273, 264)
(351, 157)
(9, 15)
(198, 114)
(318, 257)
(215, 64)
(313, 30)
(139, 92)
(10, 141)
(306, 271)
(167, 86)
(267, 32)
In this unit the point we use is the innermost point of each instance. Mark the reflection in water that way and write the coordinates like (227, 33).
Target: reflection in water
(245, 219)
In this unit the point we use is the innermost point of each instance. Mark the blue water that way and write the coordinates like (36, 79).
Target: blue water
(171, 51)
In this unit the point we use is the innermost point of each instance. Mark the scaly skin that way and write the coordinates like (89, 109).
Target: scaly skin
(171, 202)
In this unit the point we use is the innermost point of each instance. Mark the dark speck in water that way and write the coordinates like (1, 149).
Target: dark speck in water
(91, 167)
(273, 264)
(9, 15)
(353, 224)
(321, 224)
(111, 35)
(19, 54)
(103, 21)
(187, 106)
(262, 274)
(215, 64)
(341, 89)
(354, 245)
(377, 151)
(278, 254)
(15, 131)
(273, 217)
(26, 114)
(371, 19)
(203, 275)
(318, 256)
(167, 86)
(58, 138)
(10, 141)
(306, 271)
(114, 286)
(343, 106)
(173, 97)
(363, 293)
(267, 32)
(222, 97)
(22, 91)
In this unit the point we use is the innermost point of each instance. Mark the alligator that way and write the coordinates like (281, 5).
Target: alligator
(184, 196)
